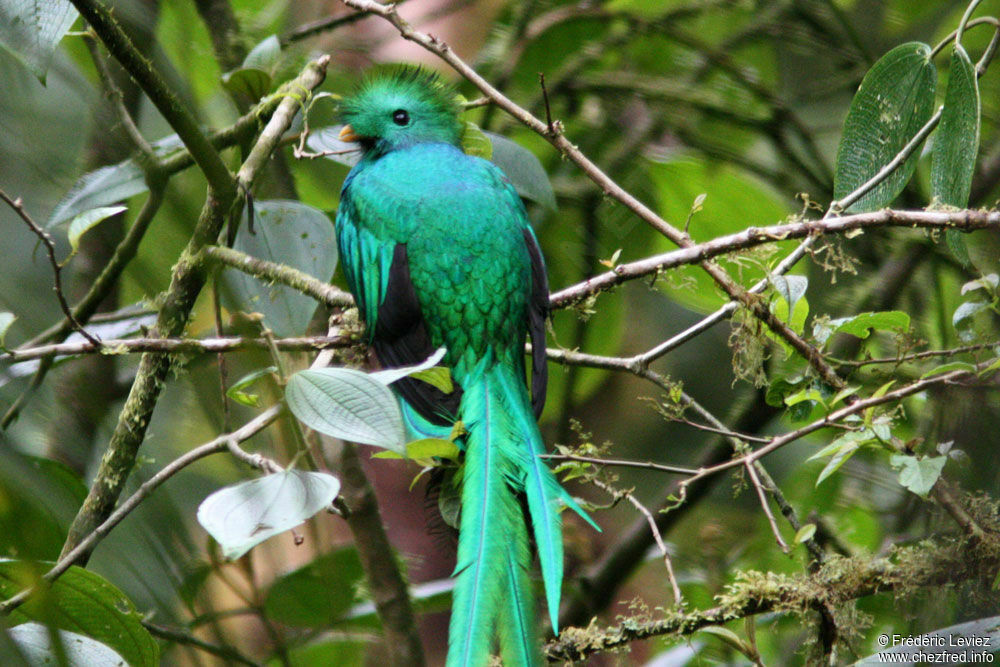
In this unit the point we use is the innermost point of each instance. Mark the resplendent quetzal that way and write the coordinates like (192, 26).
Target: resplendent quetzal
(438, 251)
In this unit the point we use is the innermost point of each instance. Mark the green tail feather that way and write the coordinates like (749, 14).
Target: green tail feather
(491, 515)
(493, 590)
(516, 627)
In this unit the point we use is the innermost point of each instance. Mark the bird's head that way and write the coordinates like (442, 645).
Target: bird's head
(399, 107)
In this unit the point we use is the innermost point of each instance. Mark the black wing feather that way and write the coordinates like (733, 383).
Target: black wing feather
(401, 340)
(538, 310)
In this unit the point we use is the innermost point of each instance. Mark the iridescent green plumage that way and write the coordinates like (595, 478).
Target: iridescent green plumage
(438, 251)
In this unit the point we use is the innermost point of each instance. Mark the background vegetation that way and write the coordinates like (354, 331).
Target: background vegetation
(788, 433)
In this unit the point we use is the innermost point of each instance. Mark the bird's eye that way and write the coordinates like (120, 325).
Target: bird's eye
(400, 117)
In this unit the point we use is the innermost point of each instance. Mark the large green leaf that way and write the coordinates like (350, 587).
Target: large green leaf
(108, 185)
(347, 404)
(38, 499)
(895, 100)
(31, 30)
(318, 593)
(83, 602)
(862, 324)
(100, 188)
(291, 233)
(956, 143)
(523, 169)
(242, 516)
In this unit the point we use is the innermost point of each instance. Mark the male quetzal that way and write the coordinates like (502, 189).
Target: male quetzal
(438, 251)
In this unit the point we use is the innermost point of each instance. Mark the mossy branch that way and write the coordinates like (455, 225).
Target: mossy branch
(837, 581)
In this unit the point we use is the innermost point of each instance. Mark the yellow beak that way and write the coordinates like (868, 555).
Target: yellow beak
(347, 134)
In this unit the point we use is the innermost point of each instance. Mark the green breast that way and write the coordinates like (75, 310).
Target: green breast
(462, 223)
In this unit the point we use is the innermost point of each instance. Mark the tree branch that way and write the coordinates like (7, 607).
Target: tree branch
(751, 237)
(837, 581)
(176, 345)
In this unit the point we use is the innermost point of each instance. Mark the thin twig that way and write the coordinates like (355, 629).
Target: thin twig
(50, 249)
(763, 503)
(178, 636)
(548, 109)
(678, 599)
(647, 465)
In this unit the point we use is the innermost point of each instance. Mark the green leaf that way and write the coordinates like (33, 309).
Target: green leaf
(236, 392)
(844, 393)
(956, 141)
(247, 84)
(791, 288)
(438, 376)
(31, 31)
(797, 320)
(347, 404)
(895, 99)
(242, 516)
(474, 141)
(805, 533)
(85, 603)
(34, 641)
(862, 324)
(995, 364)
(956, 144)
(38, 499)
(428, 448)
(290, 233)
(523, 169)
(86, 221)
(956, 243)
(265, 55)
(840, 458)
(918, 475)
(779, 389)
(450, 499)
(98, 189)
(728, 637)
(317, 594)
(840, 450)
(108, 185)
(6, 319)
(807, 394)
(847, 439)
(949, 367)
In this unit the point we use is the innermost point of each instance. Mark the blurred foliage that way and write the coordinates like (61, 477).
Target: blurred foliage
(719, 114)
